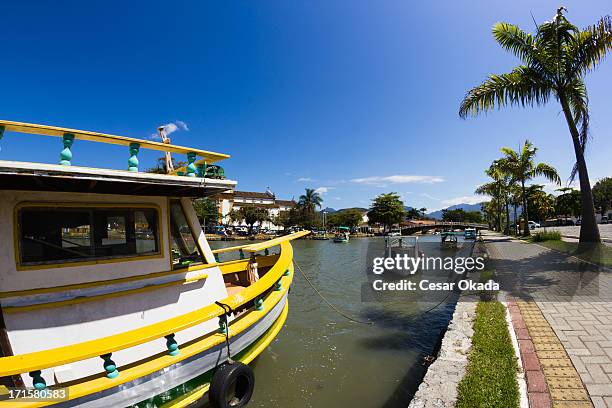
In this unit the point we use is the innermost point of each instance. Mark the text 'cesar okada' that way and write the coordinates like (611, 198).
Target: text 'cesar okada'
(408, 265)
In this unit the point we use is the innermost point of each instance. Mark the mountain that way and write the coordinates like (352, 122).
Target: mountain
(465, 207)
(329, 210)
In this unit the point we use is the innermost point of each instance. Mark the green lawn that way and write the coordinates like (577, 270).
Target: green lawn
(490, 380)
(601, 254)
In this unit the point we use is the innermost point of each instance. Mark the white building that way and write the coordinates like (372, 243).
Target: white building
(234, 201)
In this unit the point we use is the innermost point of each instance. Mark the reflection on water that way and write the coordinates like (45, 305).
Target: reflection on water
(320, 359)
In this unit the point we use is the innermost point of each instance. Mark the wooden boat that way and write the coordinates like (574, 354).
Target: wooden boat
(469, 233)
(320, 235)
(448, 239)
(342, 235)
(110, 294)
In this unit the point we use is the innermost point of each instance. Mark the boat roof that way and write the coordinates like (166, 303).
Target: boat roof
(67, 178)
(55, 177)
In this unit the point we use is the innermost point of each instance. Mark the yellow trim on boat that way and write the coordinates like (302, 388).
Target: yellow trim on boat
(273, 242)
(24, 363)
(76, 204)
(78, 300)
(159, 361)
(34, 129)
(229, 249)
(254, 350)
(226, 267)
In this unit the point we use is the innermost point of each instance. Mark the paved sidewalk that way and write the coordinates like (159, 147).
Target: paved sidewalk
(574, 297)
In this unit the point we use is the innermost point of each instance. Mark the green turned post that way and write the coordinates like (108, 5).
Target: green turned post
(267, 252)
(191, 168)
(173, 348)
(66, 154)
(202, 170)
(1, 131)
(241, 254)
(217, 258)
(259, 304)
(278, 286)
(133, 160)
(38, 382)
(109, 366)
(223, 324)
(287, 273)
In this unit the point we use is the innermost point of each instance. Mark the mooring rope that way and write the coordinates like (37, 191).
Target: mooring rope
(340, 312)
(227, 311)
(333, 307)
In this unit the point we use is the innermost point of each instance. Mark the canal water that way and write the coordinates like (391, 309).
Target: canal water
(321, 359)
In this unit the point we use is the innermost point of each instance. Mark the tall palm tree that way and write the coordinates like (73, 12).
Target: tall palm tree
(310, 200)
(522, 168)
(555, 62)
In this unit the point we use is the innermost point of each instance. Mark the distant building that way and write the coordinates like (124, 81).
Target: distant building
(234, 201)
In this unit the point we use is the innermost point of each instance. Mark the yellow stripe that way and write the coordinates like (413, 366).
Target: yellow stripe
(24, 363)
(254, 350)
(274, 242)
(155, 363)
(78, 300)
(46, 130)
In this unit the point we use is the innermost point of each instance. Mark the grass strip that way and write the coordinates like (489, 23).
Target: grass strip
(490, 380)
(600, 253)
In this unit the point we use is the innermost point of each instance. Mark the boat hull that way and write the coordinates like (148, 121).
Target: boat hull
(171, 377)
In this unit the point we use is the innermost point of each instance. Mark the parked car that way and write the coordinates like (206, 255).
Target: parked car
(604, 220)
(578, 222)
(533, 225)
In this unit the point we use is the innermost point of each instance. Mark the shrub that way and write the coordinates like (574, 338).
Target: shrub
(546, 236)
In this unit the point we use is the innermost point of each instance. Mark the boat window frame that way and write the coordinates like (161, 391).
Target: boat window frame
(66, 263)
(191, 231)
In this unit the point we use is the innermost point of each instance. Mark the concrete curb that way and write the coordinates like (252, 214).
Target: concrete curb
(439, 386)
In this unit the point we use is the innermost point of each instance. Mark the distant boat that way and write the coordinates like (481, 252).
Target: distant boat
(448, 240)
(469, 233)
(342, 235)
(320, 235)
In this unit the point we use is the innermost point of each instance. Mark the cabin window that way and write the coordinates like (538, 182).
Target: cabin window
(185, 250)
(67, 234)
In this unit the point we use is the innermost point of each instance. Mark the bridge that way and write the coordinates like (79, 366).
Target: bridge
(440, 225)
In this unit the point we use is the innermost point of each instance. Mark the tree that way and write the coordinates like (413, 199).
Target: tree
(602, 194)
(555, 62)
(423, 210)
(160, 166)
(498, 189)
(350, 217)
(252, 215)
(521, 167)
(310, 200)
(206, 210)
(569, 202)
(386, 209)
(539, 204)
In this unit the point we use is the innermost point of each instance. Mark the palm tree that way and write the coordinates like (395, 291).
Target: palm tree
(423, 210)
(522, 168)
(310, 200)
(498, 190)
(555, 62)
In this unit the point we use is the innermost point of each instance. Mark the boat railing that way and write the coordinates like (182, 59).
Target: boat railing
(33, 362)
(69, 136)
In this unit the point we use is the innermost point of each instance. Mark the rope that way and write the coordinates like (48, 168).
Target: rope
(341, 313)
(227, 343)
(352, 319)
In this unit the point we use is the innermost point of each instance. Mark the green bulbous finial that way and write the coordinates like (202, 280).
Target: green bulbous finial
(66, 153)
(133, 160)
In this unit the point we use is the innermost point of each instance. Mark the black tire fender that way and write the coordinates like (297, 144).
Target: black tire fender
(232, 386)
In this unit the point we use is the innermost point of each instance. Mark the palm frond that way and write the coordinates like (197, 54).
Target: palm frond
(589, 47)
(547, 171)
(523, 86)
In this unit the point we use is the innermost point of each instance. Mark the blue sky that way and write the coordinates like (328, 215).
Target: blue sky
(355, 98)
